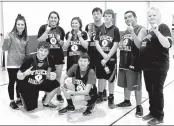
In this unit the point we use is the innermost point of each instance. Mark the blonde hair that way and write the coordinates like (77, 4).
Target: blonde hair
(157, 12)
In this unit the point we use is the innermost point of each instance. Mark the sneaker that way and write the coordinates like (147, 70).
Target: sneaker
(139, 111)
(19, 102)
(147, 117)
(44, 97)
(50, 105)
(60, 99)
(13, 105)
(105, 98)
(89, 110)
(99, 99)
(111, 104)
(124, 104)
(67, 109)
(154, 122)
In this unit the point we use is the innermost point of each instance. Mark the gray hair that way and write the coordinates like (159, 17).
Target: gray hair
(157, 11)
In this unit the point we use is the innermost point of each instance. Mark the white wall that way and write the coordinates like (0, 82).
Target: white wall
(36, 13)
(140, 8)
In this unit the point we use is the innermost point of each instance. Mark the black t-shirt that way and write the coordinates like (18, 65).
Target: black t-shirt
(55, 47)
(82, 78)
(91, 30)
(39, 70)
(75, 48)
(129, 53)
(59, 30)
(153, 55)
(106, 38)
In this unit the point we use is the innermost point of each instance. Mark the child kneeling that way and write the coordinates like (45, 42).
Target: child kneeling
(37, 73)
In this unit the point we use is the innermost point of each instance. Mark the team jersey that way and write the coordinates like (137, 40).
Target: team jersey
(75, 48)
(82, 78)
(153, 55)
(55, 47)
(107, 37)
(129, 53)
(39, 70)
(91, 30)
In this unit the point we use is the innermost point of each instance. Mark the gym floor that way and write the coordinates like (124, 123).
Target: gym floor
(102, 114)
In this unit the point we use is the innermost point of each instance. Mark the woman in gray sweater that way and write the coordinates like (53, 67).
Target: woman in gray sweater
(15, 43)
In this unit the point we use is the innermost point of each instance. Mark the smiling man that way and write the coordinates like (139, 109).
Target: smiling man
(129, 76)
(37, 73)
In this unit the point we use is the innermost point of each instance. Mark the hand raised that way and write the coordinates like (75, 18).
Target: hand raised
(28, 71)
(48, 27)
(70, 35)
(79, 34)
(7, 36)
(52, 75)
(130, 28)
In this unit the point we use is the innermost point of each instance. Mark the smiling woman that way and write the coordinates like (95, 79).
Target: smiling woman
(15, 43)
(54, 35)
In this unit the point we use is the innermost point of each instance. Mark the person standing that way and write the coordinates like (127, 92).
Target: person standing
(154, 57)
(91, 30)
(54, 34)
(106, 41)
(15, 43)
(76, 42)
(129, 76)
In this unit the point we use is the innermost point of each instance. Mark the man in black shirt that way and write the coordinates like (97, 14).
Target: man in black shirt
(84, 84)
(107, 38)
(37, 73)
(129, 76)
(91, 29)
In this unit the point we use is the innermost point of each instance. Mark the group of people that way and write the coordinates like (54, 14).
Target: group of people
(91, 55)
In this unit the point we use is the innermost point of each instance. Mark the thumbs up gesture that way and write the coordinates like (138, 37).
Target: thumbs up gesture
(130, 28)
(48, 27)
(154, 27)
(79, 33)
(7, 36)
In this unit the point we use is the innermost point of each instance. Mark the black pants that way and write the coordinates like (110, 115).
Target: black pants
(154, 82)
(30, 92)
(12, 73)
(93, 94)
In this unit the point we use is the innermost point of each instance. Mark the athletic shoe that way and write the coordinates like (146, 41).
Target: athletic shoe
(124, 104)
(60, 99)
(44, 97)
(89, 110)
(19, 102)
(13, 105)
(99, 99)
(139, 111)
(154, 122)
(67, 109)
(111, 104)
(105, 98)
(50, 105)
(147, 117)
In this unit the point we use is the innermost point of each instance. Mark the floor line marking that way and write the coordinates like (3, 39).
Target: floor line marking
(135, 106)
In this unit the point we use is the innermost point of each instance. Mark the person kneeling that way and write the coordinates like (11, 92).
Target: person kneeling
(37, 74)
(84, 83)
